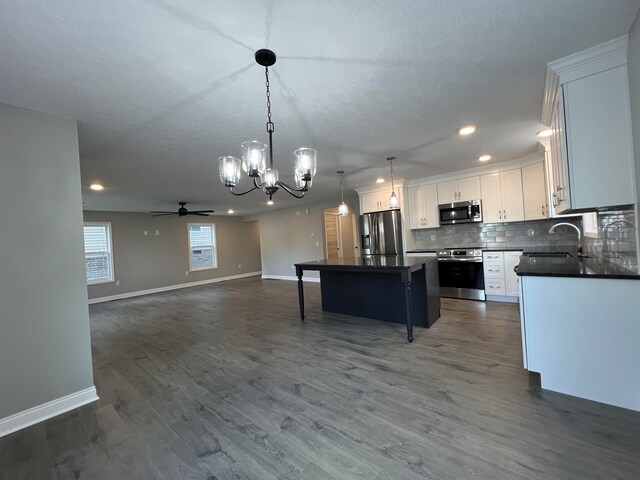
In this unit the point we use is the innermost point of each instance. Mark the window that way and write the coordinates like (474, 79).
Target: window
(590, 225)
(202, 246)
(98, 256)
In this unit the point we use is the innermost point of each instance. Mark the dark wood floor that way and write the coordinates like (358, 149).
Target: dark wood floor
(225, 382)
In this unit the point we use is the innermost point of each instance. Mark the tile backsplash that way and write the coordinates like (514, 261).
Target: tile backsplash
(615, 240)
(499, 235)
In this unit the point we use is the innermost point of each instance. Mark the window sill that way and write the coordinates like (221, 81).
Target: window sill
(100, 282)
(202, 269)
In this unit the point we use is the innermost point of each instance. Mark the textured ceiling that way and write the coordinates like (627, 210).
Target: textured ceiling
(161, 89)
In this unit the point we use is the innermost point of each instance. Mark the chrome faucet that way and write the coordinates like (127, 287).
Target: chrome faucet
(567, 224)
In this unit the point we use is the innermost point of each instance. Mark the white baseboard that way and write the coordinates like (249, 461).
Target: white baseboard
(170, 287)
(47, 410)
(289, 278)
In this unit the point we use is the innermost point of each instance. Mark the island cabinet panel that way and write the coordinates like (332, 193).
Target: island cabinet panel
(378, 296)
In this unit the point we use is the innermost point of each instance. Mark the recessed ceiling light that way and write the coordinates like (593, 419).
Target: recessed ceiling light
(545, 133)
(484, 158)
(379, 180)
(467, 130)
(96, 187)
(230, 211)
(270, 202)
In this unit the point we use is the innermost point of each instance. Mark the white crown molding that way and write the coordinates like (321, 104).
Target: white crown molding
(481, 170)
(289, 278)
(587, 62)
(544, 145)
(170, 287)
(47, 410)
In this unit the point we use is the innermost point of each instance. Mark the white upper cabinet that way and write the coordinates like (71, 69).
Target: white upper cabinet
(534, 192)
(599, 141)
(461, 190)
(423, 207)
(502, 197)
(378, 199)
(588, 108)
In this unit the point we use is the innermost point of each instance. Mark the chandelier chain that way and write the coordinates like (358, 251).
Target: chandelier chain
(270, 126)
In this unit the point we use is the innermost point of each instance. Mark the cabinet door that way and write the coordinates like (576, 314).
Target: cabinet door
(416, 208)
(491, 198)
(511, 186)
(448, 192)
(534, 192)
(369, 202)
(431, 211)
(599, 140)
(512, 281)
(563, 199)
(468, 189)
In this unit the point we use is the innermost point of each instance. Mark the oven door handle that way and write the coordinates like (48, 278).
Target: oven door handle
(474, 260)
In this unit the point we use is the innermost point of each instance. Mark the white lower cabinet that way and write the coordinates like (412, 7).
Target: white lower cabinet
(499, 278)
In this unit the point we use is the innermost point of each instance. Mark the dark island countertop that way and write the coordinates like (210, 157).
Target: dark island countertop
(587, 267)
(368, 262)
(525, 249)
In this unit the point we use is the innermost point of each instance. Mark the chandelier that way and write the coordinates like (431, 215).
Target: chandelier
(254, 156)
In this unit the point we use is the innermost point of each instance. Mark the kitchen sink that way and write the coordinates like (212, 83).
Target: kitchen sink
(549, 255)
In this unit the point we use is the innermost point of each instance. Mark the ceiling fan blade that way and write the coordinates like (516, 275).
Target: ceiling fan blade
(163, 214)
(163, 211)
(199, 214)
(200, 211)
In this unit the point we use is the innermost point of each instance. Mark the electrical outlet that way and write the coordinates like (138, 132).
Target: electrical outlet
(146, 233)
(293, 267)
(239, 265)
(186, 274)
(433, 238)
(317, 244)
(531, 232)
(117, 282)
(157, 232)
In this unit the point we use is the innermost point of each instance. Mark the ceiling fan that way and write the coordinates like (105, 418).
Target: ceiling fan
(182, 211)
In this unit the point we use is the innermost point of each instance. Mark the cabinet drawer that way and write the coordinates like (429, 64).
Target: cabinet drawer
(494, 286)
(494, 270)
(493, 256)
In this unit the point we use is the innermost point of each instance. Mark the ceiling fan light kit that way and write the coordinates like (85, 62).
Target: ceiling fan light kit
(254, 156)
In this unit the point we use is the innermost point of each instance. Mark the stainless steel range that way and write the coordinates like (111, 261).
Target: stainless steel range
(461, 273)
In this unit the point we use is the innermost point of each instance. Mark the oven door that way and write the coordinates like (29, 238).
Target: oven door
(461, 279)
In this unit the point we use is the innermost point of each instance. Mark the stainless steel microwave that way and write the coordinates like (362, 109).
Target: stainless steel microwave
(460, 212)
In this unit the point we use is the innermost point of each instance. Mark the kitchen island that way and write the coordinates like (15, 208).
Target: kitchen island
(392, 288)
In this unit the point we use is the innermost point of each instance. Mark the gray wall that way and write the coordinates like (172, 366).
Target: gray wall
(634, 90)
(152, 261)
(45, 348)
(286, 236)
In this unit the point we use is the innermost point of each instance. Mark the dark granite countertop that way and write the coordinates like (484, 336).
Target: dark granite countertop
(589, 267)
(526, 249)
(387, 262)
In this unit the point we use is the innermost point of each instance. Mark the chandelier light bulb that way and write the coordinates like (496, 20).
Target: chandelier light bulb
(270, 202)
(394, 201)
(343, 209)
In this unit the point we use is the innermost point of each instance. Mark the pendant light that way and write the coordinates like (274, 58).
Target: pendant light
(394, 201)
(343, 209)
(254, 156)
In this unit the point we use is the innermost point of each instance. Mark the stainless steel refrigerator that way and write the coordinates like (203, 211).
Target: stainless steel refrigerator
(381, 233)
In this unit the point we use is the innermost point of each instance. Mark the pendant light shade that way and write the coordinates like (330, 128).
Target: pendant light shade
(343, 208)
(254, 158)
(305, 164)
(270, 178)
(394, 201)
(229, 168)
